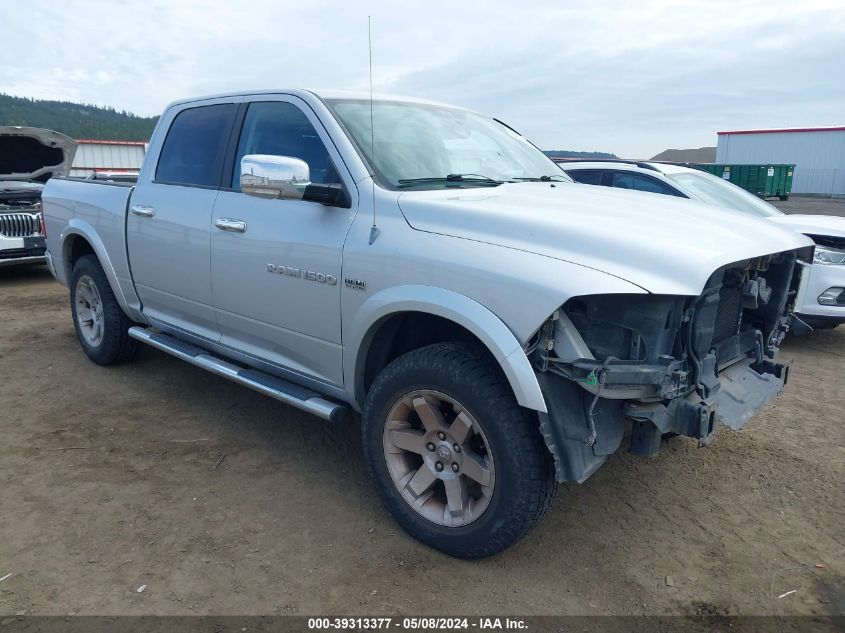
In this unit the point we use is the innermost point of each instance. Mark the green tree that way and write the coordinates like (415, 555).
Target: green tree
(76, 120)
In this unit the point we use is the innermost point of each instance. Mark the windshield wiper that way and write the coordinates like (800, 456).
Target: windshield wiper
(474, 179)
(554, 178)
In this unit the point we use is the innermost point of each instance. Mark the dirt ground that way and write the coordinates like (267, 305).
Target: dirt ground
(111, 478)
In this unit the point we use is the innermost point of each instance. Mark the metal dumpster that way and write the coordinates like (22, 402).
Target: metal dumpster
(766, 181)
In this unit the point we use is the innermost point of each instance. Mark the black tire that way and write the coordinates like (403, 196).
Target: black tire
(115, 346)
(525, 485)
(784, 198)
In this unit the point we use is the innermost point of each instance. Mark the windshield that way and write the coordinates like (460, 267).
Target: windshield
(715, 190)
(433, 147)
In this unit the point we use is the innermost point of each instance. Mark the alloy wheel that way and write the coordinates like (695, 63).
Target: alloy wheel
(89, 311)
(438, 458)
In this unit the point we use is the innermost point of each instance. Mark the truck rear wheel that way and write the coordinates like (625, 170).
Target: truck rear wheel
(100, 323)
(458, 463)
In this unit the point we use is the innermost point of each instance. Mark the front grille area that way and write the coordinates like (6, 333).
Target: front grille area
(828, 241)
(19, 224)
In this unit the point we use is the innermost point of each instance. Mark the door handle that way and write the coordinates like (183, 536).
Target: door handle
(228, 224)
(144, 212)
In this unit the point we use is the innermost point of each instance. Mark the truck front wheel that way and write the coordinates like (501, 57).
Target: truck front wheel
(458, 463)
(100, 323)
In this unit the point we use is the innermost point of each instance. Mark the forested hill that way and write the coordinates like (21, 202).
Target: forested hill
(565, 153)
(76, 120)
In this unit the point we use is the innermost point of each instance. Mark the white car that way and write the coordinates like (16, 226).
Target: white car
(821, 300)
(29, 157)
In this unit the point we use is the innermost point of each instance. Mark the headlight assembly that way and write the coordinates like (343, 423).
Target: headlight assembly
(829, 256)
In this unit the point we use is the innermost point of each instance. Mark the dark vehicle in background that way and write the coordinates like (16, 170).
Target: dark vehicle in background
(29, 157)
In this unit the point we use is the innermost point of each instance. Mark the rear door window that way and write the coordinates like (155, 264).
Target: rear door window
(587, 176)
(640, 182)
(622, 180)
(193, 151)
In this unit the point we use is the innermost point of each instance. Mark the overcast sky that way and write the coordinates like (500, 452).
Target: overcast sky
(632, 78)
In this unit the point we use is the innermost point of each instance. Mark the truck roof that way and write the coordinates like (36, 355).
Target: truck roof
(321, 94)
(621, 163)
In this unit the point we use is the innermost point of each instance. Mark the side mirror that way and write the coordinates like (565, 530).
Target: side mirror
(267, 176)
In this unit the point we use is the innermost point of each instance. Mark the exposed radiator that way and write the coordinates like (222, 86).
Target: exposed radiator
(728, 314)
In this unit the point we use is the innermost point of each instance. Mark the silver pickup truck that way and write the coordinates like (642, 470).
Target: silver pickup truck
(499, 327)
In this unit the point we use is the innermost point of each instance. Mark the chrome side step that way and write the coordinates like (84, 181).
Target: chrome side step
(277, 388)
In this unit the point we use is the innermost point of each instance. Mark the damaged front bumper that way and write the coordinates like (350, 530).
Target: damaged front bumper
(582, 429)
(745, 388)
(649, 366)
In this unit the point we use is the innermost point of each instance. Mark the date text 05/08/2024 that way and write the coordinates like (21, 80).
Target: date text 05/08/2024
(417, 624)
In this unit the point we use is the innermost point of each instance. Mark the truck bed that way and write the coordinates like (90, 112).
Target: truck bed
(96, 211)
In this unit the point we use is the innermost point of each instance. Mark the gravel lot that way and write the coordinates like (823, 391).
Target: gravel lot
(806, 204)
(222, 501)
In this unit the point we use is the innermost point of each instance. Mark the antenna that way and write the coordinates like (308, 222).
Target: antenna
(374, 231)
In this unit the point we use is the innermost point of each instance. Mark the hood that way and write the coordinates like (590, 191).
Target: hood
(34, 154)
(20, 189)
(663, 244)
(826, 225)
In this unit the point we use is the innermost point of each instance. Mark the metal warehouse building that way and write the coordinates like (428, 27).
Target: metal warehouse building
(817, 152)
(97, 155)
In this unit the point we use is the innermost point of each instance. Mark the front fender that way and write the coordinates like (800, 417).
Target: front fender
(460, 309)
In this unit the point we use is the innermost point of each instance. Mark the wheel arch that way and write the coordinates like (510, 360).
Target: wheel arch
(81, 239)
(75, 246)
(464, 318)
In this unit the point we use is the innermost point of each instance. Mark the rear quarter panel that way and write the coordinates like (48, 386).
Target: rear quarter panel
(96, 212)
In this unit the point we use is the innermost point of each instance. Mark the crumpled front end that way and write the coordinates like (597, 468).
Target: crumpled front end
(658, 364)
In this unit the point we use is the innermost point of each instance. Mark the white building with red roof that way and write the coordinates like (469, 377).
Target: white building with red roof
(94, 155)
